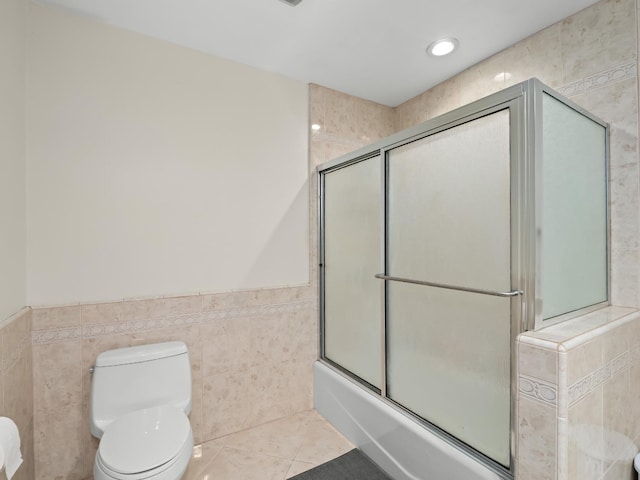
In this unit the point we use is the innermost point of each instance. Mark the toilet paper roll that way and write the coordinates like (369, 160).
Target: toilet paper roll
(10, 446)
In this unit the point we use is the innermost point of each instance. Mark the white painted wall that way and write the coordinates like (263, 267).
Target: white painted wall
(156, 170)
(12, 157)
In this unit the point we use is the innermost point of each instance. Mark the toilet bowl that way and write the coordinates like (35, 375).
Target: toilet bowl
(140, 399)
(153, 443)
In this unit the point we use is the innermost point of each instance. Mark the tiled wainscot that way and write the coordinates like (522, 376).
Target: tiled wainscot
(579, 398)
(251, 356)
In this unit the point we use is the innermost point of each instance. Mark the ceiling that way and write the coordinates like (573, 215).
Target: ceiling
(374, 49)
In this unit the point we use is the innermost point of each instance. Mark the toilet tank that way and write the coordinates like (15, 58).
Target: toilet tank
(129, 379)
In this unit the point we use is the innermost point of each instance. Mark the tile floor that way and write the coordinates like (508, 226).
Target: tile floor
(274, 451)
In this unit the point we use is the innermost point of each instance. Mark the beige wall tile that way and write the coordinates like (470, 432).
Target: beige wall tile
(228, 345)
(2, 382)
(625, 277)
(598, 38)
(16, 385)
(58, 446)
(538, 362)
(410, 113)
(606, 103)
(585, 437)
(226, 300)
(226, 401)
(28, 455)
(634, 333)
(624, 207)
(56, 317)
(340, 113)
(373, 121)
(442, 98)
(196, 415)
(616, 398)
(634, 394)
(15, 336)
(58, 378)
(89, 444)
(269, 392)
(537, 56)
(270, 339)
(583, 360)
(480, 80)
(536, 441)
(300, 387)
(140, 309)
(615, 342)
(316, 104)
(18, 393)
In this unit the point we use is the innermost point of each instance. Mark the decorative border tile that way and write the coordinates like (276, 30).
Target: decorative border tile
(539, 390)
(133, 326)
(56, 335)
(614, 75)
(601, 79)
(572, 89)
(587, 384)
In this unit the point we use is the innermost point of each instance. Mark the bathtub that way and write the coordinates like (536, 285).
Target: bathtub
(399, 445)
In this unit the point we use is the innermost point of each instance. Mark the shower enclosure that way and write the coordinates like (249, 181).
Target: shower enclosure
(438, 246)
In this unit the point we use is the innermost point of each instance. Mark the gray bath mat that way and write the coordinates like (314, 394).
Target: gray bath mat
(353, 465)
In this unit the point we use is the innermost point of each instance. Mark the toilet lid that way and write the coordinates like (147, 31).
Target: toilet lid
(144, 439)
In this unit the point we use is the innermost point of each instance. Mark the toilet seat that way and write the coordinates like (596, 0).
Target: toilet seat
(145, 444)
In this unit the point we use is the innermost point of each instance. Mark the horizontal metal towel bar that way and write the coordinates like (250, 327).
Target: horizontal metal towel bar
(513, 293)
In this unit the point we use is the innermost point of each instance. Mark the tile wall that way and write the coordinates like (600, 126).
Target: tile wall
(579, 414)
(16, 384)
(251, 355)
(346, 124)
(590, 57)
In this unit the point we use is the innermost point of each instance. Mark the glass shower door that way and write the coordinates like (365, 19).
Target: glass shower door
(449, 225)
(351, 257)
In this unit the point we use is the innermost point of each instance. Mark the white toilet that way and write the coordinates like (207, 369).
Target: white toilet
(140, 399)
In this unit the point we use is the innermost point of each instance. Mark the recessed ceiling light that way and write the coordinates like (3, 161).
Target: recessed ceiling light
(441, 47)
(315, 126)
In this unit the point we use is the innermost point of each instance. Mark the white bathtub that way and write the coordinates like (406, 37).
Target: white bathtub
(400, 446)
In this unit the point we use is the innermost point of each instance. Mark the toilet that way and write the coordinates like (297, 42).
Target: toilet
(140, 399)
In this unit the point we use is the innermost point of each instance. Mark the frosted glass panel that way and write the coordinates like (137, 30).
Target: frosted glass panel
(352, 296)
(449, 362)
(449, 206)
(574, 214)
(449, 222)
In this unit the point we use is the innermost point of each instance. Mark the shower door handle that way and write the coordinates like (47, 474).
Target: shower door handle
(512, 293)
